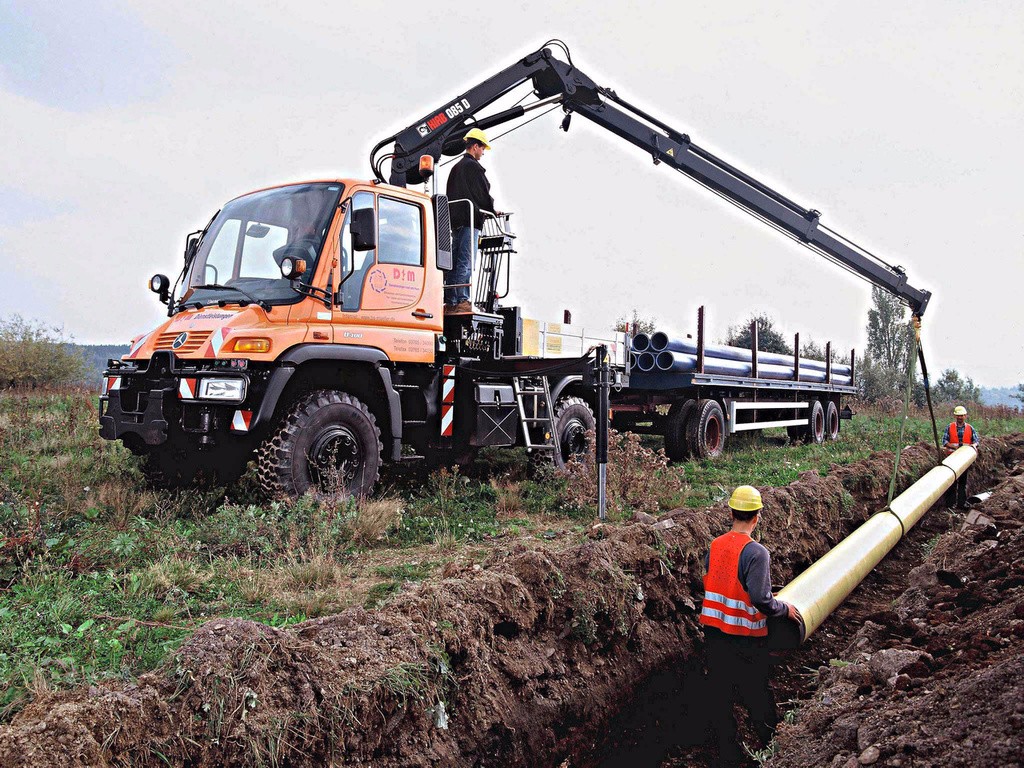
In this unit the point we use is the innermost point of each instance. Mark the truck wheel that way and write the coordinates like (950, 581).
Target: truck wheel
(328, 443)
(814, 432)
(831, 421)
(676, 446)
(705, 434)
(573, 422)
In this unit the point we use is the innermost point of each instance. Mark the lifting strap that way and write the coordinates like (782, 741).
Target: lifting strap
(928, 396)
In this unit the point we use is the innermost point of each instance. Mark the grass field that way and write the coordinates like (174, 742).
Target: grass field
(101, 578)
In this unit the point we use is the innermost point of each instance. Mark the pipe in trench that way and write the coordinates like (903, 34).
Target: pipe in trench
(978, 497)
(819, 590)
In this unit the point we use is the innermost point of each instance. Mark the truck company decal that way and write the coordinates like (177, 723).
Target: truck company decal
(187, 389)
(240, 421)
(448, 401)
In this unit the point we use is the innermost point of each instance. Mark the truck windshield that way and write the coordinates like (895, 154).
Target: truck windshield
(245, 244)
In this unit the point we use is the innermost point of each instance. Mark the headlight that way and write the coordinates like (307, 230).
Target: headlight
(222, 389)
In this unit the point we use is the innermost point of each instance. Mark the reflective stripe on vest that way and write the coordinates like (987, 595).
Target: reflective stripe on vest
(968, 435)
(727, 605)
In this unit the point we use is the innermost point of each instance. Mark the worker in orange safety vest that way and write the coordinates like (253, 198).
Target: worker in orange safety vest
(737, 603)
(959, 433)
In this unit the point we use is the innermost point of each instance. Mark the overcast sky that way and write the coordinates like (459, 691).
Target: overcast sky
(124, 125)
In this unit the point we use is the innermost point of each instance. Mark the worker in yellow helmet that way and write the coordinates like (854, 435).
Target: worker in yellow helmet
(737, 603)
(959, 433)
(469, 195)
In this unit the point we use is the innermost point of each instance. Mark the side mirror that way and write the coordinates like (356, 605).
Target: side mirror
(364, 230)
(161, 286)
(292, 268)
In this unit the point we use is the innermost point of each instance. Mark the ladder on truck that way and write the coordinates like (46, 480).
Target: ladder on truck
(495, 246)
(536, 414)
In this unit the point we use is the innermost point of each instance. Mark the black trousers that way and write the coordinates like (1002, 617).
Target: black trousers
(738, 669)
(956, 496)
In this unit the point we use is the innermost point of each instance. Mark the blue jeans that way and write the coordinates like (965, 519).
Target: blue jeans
(463, 240)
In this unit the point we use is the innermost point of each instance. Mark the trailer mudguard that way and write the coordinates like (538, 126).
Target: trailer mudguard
(305, 353)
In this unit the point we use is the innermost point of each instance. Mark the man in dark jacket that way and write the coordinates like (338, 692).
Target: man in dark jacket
(466, 182)
(737, 603)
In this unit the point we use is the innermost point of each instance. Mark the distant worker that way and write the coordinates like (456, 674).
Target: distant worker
(959, 433)
(467, 181)
(737, 603)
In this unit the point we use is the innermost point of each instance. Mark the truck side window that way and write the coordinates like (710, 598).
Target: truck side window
(401, 233)
(352, 289)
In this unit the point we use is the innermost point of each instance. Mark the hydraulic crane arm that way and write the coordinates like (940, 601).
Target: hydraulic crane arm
(558, 82)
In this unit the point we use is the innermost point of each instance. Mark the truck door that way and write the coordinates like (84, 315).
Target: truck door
(383, 297)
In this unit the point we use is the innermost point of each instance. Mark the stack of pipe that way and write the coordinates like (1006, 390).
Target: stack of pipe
(658, 353)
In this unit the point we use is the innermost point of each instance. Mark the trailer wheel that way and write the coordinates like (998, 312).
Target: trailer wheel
(814, 432)
(831, 421)
(573, 422)
(676, 446)
(705, 434)
(328, 443)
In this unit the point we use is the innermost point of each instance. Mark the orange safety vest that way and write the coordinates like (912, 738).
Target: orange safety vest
(968, 435)
(727, 604)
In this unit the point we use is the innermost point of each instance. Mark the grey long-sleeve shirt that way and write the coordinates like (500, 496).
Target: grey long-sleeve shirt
(754, 574)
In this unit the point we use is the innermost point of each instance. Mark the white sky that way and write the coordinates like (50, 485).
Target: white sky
(123, 126)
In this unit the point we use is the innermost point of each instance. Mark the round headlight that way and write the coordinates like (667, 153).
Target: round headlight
(292, 267)
(159, 283)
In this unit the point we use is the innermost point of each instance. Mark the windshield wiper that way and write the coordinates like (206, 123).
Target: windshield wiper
(217, 287)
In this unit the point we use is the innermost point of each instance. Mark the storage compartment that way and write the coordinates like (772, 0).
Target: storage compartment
(497, 417)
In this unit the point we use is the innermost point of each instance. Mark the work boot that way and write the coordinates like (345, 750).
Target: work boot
(449, 309)
(462, 308)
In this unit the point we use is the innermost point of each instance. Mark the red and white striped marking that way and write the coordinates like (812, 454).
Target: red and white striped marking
(138, 344)
(187, 389)
(240, 421)
(217, 341)
(111, 383)
(447, 400)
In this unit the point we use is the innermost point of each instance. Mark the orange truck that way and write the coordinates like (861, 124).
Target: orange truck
(307, 331)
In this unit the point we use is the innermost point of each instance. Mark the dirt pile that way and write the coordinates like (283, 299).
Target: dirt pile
(522, 659)
(935, 678)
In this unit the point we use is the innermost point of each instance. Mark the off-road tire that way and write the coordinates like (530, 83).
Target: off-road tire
(705, 434)
(676, 446)
(302, 453)
(831, 421)
(814, 432)
(573, 421)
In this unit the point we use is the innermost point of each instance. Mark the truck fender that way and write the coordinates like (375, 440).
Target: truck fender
(557, 389)
(304, 353)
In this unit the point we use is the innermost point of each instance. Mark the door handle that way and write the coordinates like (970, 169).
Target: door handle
(421, 313)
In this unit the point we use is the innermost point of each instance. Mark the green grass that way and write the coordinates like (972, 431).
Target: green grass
(101, 578)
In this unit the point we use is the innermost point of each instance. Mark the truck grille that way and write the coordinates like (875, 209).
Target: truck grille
(194, 341)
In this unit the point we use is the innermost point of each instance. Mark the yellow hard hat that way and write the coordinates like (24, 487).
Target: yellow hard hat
(476, 133)
(959, 411)
(746, 498)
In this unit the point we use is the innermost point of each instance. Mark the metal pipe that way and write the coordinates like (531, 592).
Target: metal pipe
(819, 590)
(641, 342)
(661, 342)
(680, 362)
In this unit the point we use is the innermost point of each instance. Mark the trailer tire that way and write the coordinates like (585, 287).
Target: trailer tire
(574, 421)
(705, 434)
(831, 420)
(814, 432)
(676, 443)
(327, 443)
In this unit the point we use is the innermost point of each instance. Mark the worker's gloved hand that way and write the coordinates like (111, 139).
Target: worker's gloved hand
(794, 614)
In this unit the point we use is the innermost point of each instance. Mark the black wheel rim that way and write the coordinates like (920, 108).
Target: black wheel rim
(574, 438)
(335, 460)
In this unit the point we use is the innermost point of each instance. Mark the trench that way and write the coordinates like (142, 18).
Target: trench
(588, 656)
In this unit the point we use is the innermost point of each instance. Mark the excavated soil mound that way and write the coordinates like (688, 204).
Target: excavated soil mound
(936, 679)
(523, 659)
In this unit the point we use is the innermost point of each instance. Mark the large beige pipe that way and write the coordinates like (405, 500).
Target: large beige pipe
(821, 588)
